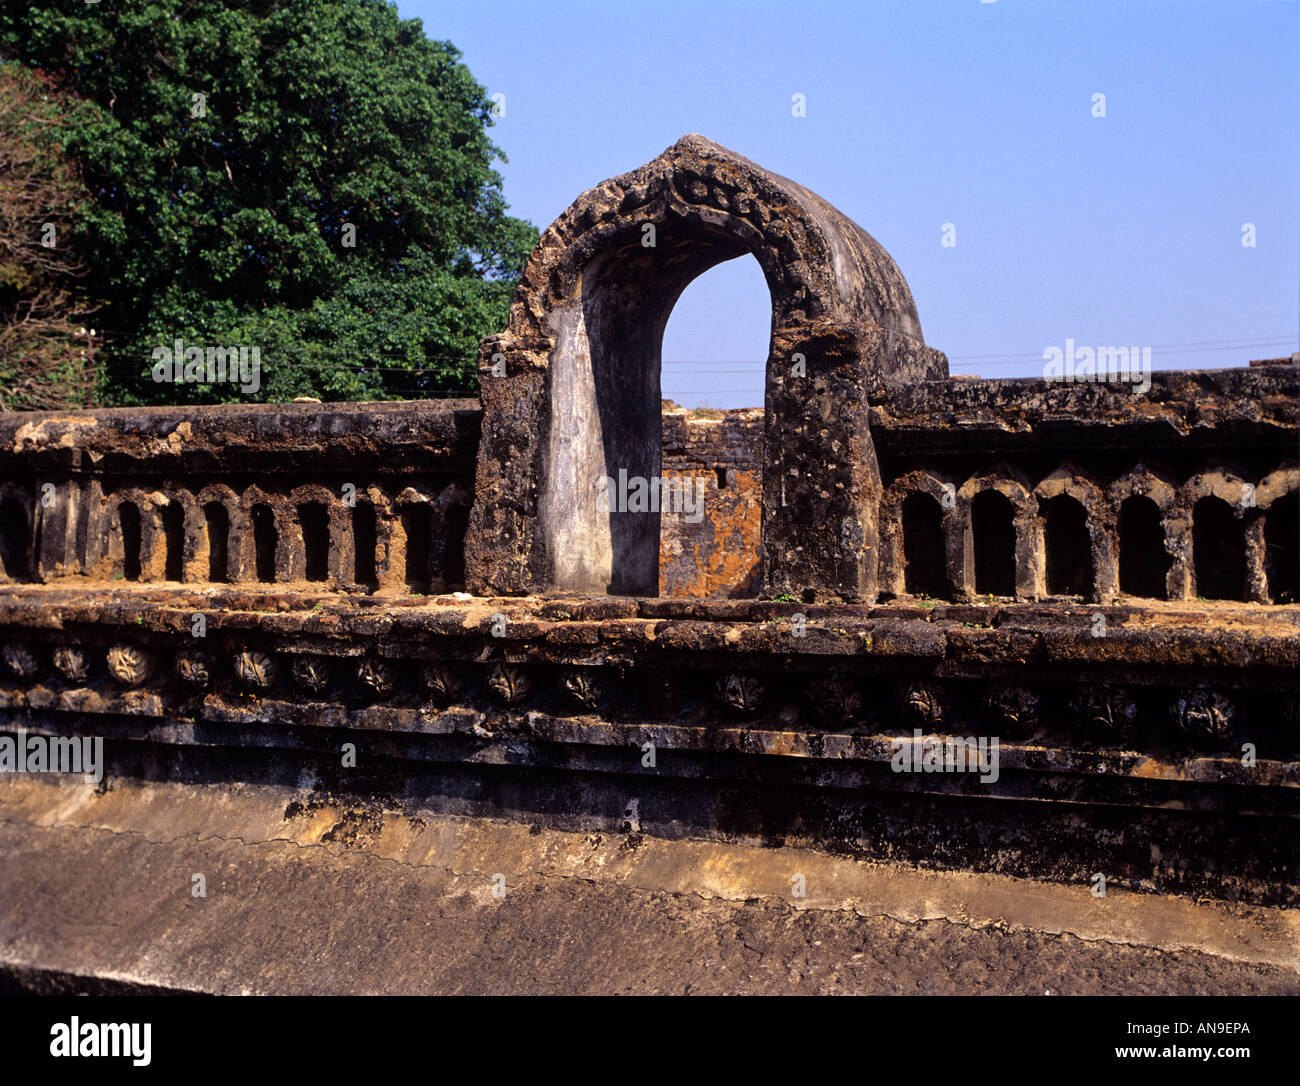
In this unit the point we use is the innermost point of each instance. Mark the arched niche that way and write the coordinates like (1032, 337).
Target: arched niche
(571, 388)
(1095, 554)
(895, 544)
(1001, 540)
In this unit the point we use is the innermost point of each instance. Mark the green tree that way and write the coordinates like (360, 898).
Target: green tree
(310, 177)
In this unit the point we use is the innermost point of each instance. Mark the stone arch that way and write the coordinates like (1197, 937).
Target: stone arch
(1278, 500)
(570, 389)
(314, 548)
(265, 547)
(451, 518)
(1027, 557)
(1143, 482)
(411, 547)
(893, 537)
(179, 533)
(1211, 492)
(134, 547)
(214, 554)
(365, 543)
(1068, 481)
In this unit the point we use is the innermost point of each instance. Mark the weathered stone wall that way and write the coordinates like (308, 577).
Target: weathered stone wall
(713, 551)
(353, 497)
(765, 721)
(68, 475)
(1027, 490)
(1127, 714)
(1001, 489)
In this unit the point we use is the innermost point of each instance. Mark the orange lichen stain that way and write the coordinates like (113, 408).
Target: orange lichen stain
(779, 743)
(717, 556)
(1150, 769)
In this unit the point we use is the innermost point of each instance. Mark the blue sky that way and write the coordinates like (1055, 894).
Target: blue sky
(1122, 230)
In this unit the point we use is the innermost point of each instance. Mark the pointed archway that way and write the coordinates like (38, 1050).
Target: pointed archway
(571, 397)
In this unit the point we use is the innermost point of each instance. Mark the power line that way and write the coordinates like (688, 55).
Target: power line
(1154, 346)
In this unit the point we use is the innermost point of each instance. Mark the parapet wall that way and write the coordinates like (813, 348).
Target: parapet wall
(356, 497)
(1001, 489)
(1028, 490)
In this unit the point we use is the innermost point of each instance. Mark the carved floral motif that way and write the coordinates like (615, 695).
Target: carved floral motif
(72, 662)
(377, 676)
(508, 683)
(739, 693)
(193, 669)
(1012, 710)
(255, 669)
(129, 665)
(1206, 716)
(311, 673)
(21, 660)
(923, 704)
(444, 685)
(1107, 710)
(583, 685)
(834, 701)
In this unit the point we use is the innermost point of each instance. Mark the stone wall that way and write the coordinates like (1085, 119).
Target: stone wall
(1126, 717)
(352, 497)
(1026, 490)
(713, 551)
(995, 489)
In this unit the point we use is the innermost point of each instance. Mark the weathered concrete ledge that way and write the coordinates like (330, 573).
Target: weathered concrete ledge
(1186, 410)
(480, 905)
(414, 435)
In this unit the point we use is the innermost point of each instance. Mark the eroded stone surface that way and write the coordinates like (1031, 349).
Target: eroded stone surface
(571, 388)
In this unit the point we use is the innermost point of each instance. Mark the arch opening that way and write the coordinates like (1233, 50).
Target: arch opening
(993, 532)
(604, 499)
(1282, 548)
(128, 522)
(14, 533)
(314, 521)
(266, 539)
(216, 520)
(1219, 550)
(173, 530)
(1068, 547)
(1143, 561)
(717, 338)
(925, 570)
(365, 538)
(449, 552)
(417, 525)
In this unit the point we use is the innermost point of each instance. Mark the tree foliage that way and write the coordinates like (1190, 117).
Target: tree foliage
(234, 149)
(45, 348)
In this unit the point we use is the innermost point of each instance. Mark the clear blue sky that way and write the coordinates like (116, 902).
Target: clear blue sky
(1123, 230)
